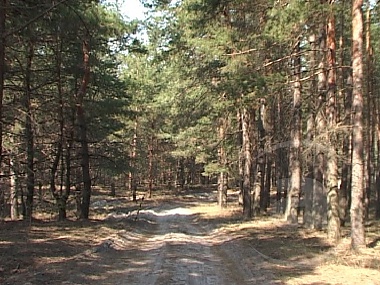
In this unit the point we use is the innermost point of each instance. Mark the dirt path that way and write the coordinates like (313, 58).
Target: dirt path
(181, 250)
(174, 241)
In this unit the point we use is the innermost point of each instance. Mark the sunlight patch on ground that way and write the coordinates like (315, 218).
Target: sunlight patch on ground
(171, 212)
(333, 275)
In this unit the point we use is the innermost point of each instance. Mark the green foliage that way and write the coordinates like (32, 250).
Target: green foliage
(56, 38)
(286, 21)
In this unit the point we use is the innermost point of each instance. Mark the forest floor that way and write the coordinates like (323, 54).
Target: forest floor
(183, 239)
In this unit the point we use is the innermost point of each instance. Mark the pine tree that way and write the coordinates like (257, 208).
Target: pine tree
(357, 211)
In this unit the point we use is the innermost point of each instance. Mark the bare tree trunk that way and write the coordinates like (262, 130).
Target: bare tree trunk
(67, 192)
(61, 196)
(150, 165)
(268, 183)
(13, 189)
(333, 221)
(310, 127)
(357, 211)
(53, 173)
(369, 142)
(257, 164)
(29, 135)
(377, 185)
(81, 118)
(180, 174)
(247, 164)
(3, 4)
(319, 198)
(281, 155)
(262, 158)
(222, 178)
(345, 95)
(240, 157)
(291, 213)
(345, 187)
(133, 165)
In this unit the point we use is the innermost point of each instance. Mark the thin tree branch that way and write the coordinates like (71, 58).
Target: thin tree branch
(242, 52)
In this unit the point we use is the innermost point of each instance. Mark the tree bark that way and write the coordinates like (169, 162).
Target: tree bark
(53, 189)
(133, 165)
(240, 157)
(262, 158)
(345, 187)
(357, 211)
(370, 114)
(281, 157)
(180, 174)
(345, 95)
(29, 134)
(333, 221)
(3, 4)
(291, 214)
(319, 195)
(247, 163)
(62, 196)
(222, 178)
(310, 128)
(82, 125)
(150, 164)
(14, 188)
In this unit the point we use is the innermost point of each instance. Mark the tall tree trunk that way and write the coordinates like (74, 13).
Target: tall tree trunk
(262, 158)
(282, 157)
(268, 183)
(150, 164)
(133, 165)
(370, 131)
(333, 221)
(53, 173)
(310, 127)
(180, 174)
(69, 147)
(357, 211)
(345, 96)
(13, 188)
(61, 196)
(222, 178)
(240, 157)
(345, 187)
(319, 198)
(3, 4)
(247, 163)
(29, 134)
(377, 184)
(291, 213)
(81, 118)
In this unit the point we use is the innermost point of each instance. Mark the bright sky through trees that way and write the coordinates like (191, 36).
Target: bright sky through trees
(132, 9)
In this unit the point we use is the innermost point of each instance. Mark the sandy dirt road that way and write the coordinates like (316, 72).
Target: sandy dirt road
(165, 243)
(180, 249)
